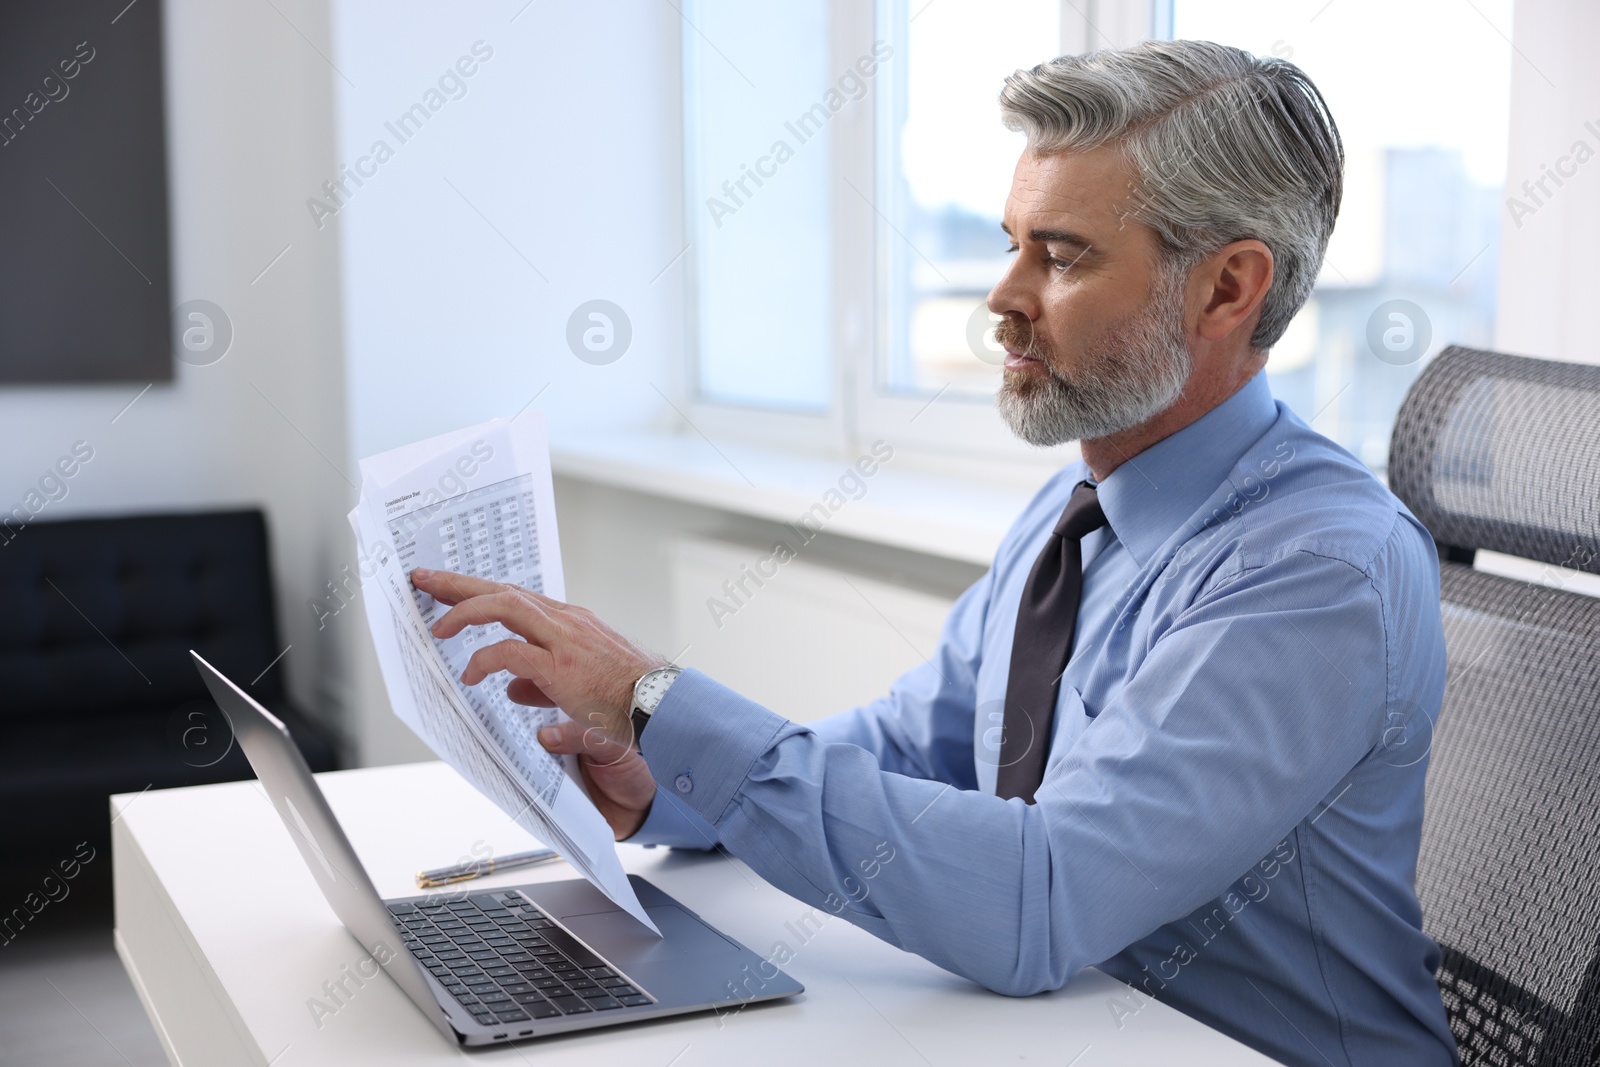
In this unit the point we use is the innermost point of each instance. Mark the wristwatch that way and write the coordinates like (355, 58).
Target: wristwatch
(647, 694)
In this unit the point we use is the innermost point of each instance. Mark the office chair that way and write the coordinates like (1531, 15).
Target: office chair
(1502, 453)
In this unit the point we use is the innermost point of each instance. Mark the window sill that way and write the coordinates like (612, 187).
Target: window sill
(957, 517)
(960, 517)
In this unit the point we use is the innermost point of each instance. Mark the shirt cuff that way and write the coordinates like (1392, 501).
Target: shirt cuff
(672, 822)
(701, 743)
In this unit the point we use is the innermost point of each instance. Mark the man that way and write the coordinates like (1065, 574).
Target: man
(1178, 730)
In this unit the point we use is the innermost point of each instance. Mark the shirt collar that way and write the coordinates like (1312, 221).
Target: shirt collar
(1149, 496)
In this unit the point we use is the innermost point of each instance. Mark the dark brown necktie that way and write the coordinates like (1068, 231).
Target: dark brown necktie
(1046, 621)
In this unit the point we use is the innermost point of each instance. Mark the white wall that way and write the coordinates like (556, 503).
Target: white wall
(562, 159)
(249, 125)
(1548, 270)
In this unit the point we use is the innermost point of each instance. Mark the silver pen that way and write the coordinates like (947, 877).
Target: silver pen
(461, 872)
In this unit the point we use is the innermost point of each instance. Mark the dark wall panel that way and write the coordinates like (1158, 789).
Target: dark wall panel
(85, 294)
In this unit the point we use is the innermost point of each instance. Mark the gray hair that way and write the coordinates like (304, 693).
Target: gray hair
(1224, 146)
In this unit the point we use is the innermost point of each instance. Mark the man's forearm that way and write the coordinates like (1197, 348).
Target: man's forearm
(917, 863)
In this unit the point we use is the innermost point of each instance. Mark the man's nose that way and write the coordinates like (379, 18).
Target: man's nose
(1011, 295)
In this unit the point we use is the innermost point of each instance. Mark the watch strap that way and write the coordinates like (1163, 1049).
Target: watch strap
(641, 719)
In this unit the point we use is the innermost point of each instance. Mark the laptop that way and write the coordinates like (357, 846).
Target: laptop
(503, 964)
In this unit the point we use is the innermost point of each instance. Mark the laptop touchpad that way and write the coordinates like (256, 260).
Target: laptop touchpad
(618, 935)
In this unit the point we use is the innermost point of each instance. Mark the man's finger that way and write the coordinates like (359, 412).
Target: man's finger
(448, 587)
(572, 738)
(549, 603)
(519, 657)
(526, 691)
(507, 606)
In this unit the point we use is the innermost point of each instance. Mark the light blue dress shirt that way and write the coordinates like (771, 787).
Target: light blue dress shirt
(1232, 803)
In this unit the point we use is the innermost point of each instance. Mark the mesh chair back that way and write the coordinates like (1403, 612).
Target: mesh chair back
(1502, 452)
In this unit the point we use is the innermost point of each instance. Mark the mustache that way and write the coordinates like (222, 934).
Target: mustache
(1015, 332)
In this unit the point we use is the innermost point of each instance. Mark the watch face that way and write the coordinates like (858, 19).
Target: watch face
(653, 686)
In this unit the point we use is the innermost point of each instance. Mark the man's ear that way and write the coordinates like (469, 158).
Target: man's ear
(1233, 281)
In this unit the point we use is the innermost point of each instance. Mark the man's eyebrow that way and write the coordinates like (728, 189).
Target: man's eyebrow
(1060, 237)
(1053, 236)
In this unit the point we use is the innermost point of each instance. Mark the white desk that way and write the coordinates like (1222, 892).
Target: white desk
(226, 938)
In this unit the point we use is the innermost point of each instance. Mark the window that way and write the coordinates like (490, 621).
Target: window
(759, 215)
(846, 171)
(944, 169)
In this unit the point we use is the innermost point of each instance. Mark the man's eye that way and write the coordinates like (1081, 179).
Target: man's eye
(1011, 249)
(1063, 265)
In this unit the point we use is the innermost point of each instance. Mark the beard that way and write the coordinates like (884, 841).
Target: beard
(1136, 369)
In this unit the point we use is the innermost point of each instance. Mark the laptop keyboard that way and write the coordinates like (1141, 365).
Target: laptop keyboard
(507, 962)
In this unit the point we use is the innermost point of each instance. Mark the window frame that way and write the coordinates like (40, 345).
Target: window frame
(859, 409)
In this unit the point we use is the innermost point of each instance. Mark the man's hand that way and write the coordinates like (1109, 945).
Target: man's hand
(618, 778)
(569, 659)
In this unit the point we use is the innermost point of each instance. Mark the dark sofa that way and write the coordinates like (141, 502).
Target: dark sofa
(98, 694)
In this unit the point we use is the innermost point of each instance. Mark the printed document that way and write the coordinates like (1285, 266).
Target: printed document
(478, 502)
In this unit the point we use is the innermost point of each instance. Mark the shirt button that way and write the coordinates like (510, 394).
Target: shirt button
(683, 784)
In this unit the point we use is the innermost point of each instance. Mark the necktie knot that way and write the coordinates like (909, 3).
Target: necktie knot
(1082, 513)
